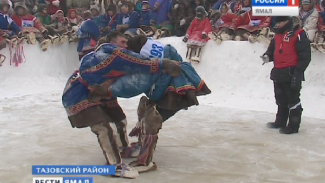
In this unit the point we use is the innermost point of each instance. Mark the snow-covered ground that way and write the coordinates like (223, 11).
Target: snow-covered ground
(222, 140)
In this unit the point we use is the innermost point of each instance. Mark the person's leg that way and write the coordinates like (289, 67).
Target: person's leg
(150, 125)
(295, 108)
(283, 110)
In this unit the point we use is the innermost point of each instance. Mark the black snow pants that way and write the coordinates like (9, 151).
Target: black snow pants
(289, 105)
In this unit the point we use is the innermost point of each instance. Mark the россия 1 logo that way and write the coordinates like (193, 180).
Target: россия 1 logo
(275, 7)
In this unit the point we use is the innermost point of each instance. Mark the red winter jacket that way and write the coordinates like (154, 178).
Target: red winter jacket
(247, 20)
(28, 20)
(228, 18)
(199, 27)
(53, 9)
(285, 52)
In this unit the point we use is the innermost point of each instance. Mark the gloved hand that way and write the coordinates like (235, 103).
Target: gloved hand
(297, 79)
(182, 22)
(265, 59)
(204, 36)
(185, 39)
(171, 68)
(35, 9)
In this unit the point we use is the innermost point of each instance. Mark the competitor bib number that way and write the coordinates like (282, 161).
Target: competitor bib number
(153, 49)
(156, 52)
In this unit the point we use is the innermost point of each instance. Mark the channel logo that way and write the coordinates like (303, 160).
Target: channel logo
(275, 7)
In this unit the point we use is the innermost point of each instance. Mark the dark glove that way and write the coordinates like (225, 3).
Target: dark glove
(171, 68)
(204, 36)
(297, 79)
(185, 39)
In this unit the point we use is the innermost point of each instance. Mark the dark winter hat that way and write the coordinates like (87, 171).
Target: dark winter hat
(112, 7)
(282, 18)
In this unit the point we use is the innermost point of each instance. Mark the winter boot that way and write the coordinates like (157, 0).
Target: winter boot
(45, 43)
(157, 34)
(215, 37)
(281, 118)
(294, 121)
(110, 150)
(55, 40)
(151, 123)
(31, 38)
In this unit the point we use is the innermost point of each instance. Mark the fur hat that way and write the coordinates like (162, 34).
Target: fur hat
(305, 2)
(20, 5)
(5, 2)
(201, 10)
(282, 18)
(94, 7)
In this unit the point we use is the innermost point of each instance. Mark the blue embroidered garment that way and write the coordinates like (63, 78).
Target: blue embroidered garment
(6, 23)
(157, 85)
(103, 67)
(88, 34)
(127, 74)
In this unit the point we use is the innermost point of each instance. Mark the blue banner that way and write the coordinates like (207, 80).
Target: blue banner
(270, 3)
(78, 180)
(73, 170)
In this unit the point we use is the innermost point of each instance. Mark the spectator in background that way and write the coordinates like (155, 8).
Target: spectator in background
(209, 4)
(243, 6)
(221, 22)
(73, 18)
(309, 17)
(7, 25)
(80, 5)
(108, 21)
(53, 6)
(247, 25)
(320, 39)
(138, 6)
(147, 21)
(230, 3)
(94, 9)
(31, 27)
(88, 35)
(43, 16)
(128, 20)
(30, 4)
(197, 34)
(182, 17)
(160, 9)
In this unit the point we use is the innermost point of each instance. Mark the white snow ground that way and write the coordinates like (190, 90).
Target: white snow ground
(222, 140)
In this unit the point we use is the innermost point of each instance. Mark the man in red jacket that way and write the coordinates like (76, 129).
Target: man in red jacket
(30, 25)
(291, 54)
